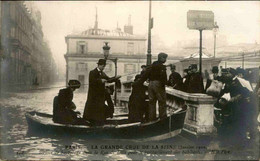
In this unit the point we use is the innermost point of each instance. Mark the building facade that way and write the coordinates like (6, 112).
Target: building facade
(24, 52)
(84, 50)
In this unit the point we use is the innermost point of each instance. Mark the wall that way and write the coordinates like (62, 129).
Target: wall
(95, 45)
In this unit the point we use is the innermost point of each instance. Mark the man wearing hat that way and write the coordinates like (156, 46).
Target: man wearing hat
(242, 115)
(175, 79)
(143, 67)
(64, 109)
(196, 81)
(186, 79)
(95, 110)
(156, 73)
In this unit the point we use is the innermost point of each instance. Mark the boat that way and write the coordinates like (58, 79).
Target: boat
(116, 128)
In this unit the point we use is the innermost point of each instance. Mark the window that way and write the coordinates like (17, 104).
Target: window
(81, 47)
(130, 48)
(81, 67)
(129, 68)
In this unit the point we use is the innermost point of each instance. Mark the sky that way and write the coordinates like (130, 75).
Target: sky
(239, 21)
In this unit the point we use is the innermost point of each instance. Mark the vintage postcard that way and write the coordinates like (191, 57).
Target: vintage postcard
(129, 80)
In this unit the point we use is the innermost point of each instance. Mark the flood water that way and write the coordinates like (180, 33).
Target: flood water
(17, 143)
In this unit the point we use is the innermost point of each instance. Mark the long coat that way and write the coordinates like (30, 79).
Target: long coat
(175, 81)
(137, 104)
(95, 105)
(63, 107)
(243, 108)
(195, 83)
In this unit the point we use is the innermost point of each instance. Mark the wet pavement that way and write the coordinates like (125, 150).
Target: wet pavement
(17, 143)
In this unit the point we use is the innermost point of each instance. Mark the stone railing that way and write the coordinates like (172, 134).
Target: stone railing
(199, 118)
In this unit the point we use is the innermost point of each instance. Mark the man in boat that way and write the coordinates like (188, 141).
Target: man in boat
(63, 107)
(175, 79)
(95, 109)
(156, 73)
(137, 102)
(110, 105)
(195, 81)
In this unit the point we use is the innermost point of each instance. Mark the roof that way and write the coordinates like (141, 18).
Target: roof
(92, 32)
(197, 55)
(239, 48)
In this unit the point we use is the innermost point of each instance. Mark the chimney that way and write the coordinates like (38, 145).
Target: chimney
(128, 28)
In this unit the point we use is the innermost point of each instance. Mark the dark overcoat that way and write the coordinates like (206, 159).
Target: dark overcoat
(175, 81)
(137, 105)
(243, 114)
(195, 83)
(63, 107)
(95, 104)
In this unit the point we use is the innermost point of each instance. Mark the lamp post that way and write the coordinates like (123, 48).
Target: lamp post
(215, 30)
(106, 49)
(150, 26)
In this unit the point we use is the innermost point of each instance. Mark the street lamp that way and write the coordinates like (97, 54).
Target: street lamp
(106, 49)
(215, 30)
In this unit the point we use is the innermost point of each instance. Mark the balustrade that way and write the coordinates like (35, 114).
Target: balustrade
(199, 118)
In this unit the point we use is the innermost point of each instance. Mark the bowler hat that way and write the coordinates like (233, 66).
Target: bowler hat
(240, 71)
(74, 83)
(101, 62)
(232, 71)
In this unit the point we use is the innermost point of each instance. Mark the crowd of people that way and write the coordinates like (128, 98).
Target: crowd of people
(236, 99)
(236, 105)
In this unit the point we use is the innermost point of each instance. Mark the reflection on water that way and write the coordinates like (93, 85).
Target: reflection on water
(17, 143)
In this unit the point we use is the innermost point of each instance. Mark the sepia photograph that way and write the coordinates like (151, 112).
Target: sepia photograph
(129, 80)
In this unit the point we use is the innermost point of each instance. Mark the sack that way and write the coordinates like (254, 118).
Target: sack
(214, 88)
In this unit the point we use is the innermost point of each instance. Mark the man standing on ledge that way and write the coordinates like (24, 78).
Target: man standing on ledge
(156, 73)
(95, 108)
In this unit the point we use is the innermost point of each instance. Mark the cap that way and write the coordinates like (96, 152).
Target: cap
(101, 62)
(173, 66)
(138, 76)
(214, 69)
(186, 70)
(163, 55)
(143, 66)
(74, 83)
(224, 70)
(193, 66)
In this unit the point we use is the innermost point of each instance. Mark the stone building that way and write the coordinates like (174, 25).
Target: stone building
(23, 50)
(84, 50)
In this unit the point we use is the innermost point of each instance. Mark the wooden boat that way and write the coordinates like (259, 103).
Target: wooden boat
(116, 128)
